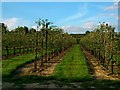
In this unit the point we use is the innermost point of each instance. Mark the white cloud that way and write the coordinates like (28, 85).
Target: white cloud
(82, 12)
(89, 25)
(112, 14)
(72, 29)
(14, 22)
(113, 7)
(35, 27)
(79, 29)
(76, 16)
(71, 18)
(11, 22)
(103, 17)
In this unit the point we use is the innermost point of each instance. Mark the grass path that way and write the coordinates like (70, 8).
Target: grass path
(73, 66)
(9, 65)
(47, 68)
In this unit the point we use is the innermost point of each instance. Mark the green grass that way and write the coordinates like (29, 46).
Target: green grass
(11, 64)
(73, 66)
(11, 51)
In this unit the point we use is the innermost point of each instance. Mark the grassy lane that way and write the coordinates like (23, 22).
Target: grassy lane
(11, 64)
(73, 66)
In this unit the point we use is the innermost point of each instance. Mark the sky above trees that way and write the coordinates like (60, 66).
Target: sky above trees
(73, 17)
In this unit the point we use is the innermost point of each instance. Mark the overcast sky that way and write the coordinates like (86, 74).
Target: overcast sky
(73, 17)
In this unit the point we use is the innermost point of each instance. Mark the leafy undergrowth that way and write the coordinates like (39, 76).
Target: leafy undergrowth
(73, 67)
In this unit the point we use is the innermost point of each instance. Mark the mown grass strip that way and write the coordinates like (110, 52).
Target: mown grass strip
(11, 64)
(73, 66)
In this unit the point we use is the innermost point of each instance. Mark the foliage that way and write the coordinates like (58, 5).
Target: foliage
(24, 38)
(41, 41)
(103, 43)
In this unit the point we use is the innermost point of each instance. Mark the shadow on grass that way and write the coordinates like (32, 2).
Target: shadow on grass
(94, 84)
(40, 79)
(102, 84)
(26, 79)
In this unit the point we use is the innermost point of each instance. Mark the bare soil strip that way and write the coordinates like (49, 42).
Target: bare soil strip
(47, 69)
(99, 71)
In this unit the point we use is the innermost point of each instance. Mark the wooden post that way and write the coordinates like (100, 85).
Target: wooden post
(23, 49)
(27, 49)
(112, 66)
(36, 51)
(46, 43)
(7, 51)
(14, 50)
(20, 49)
(36, 47)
